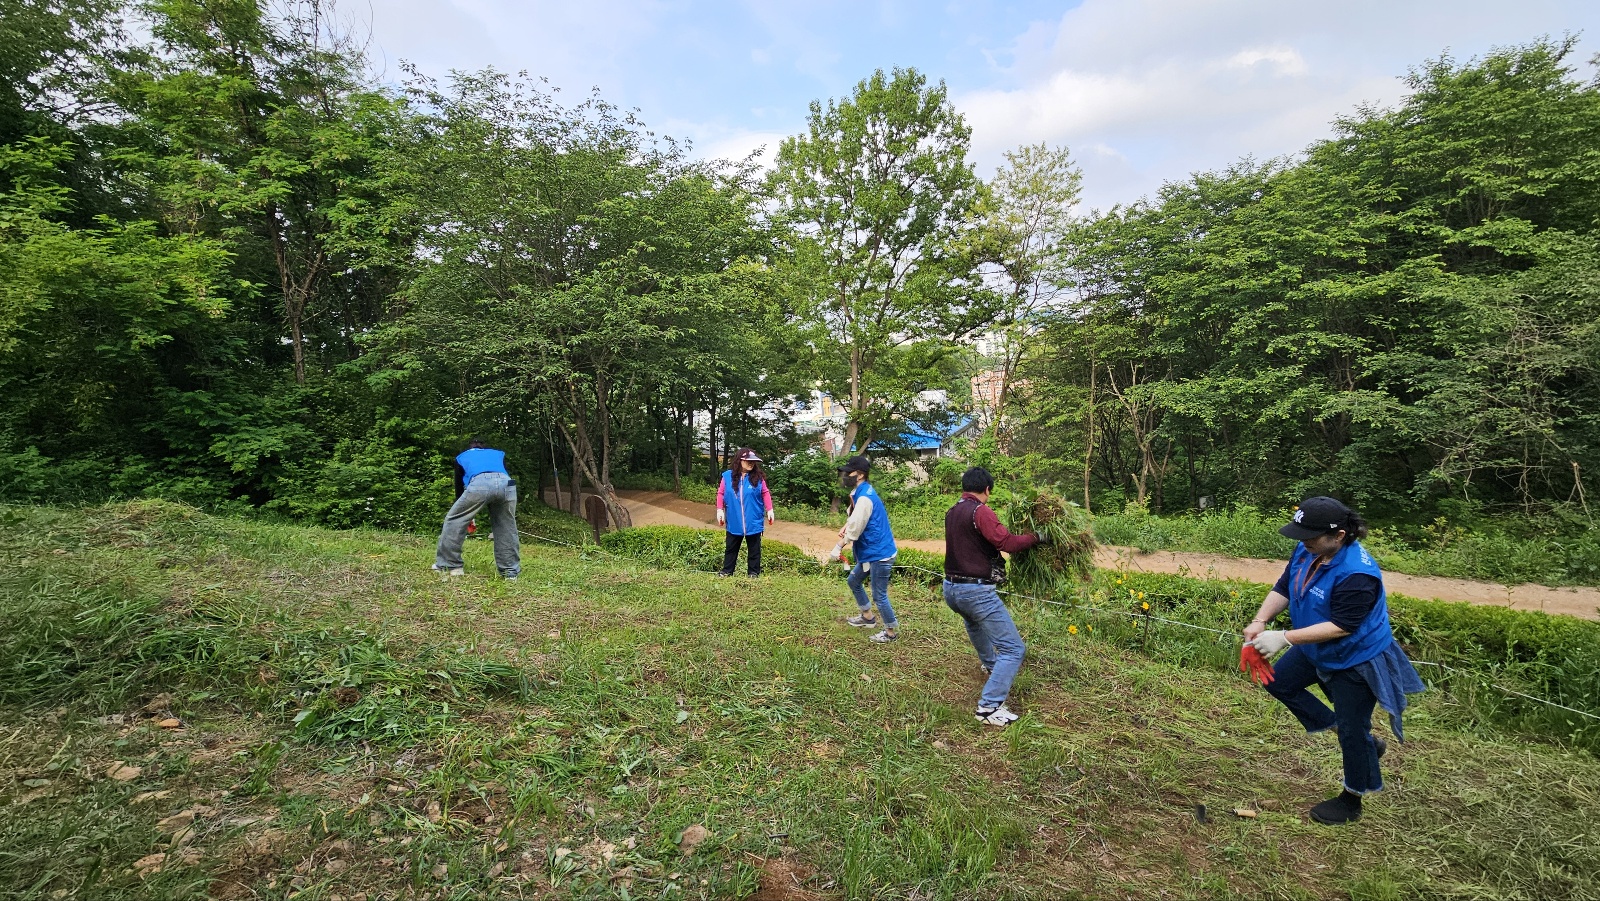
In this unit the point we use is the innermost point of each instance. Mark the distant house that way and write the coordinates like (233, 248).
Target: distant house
(930, 446)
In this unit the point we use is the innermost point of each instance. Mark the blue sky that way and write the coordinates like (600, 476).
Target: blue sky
(1143, 91)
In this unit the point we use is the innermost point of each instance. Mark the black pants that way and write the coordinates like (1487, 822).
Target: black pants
(730, 553)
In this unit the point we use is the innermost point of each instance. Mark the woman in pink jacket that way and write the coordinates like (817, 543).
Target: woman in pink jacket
(744, 507)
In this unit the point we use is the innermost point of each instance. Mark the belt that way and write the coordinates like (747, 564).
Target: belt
(969, 580)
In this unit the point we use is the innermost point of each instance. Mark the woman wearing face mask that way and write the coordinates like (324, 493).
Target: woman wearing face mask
(873, 547)
(744, 507)
(1340, 639)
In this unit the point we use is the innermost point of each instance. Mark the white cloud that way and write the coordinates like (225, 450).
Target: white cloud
(1284, 60)
(1174, 86)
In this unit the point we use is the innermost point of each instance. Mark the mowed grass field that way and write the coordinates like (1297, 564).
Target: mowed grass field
(200, 707)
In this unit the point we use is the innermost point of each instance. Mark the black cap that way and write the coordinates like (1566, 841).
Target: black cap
(1316, 516)
(857, 463)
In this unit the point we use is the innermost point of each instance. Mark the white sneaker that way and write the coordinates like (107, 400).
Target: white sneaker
(1000, 716)
(446, 573)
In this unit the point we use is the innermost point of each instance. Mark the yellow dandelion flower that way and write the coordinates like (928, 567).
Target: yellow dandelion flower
(1072, 630)
(1145, 605)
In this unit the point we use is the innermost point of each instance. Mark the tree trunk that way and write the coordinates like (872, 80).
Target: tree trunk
(575, 493)
(1088, 449)
(555, 477)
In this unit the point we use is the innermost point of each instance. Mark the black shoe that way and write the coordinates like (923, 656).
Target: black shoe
(1338, 811)
(723, 575)
(1383, 746)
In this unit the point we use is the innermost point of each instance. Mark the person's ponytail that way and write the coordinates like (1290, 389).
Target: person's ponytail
(1355, 528)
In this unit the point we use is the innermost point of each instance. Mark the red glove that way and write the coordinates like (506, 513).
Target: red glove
(1251, 661)
(472, 527)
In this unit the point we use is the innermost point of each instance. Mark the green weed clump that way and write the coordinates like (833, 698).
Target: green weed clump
(1064, 561)
(685, 547)
(921, 567)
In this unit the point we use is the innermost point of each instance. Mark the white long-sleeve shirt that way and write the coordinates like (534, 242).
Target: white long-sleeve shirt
(856, 523)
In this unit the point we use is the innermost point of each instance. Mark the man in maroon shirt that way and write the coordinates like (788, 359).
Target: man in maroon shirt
(973, 540)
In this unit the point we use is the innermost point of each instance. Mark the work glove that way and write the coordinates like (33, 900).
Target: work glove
(771, 517)
(1044, 540)
(722, 518)
(1251, 661)
(837, 553)
(1271, 642)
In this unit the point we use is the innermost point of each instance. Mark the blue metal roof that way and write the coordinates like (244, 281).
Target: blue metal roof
(927, 440)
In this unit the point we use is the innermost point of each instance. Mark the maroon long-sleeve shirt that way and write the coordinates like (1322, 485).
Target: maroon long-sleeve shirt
(973, 537)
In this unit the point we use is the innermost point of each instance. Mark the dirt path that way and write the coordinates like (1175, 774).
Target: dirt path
(665, 508)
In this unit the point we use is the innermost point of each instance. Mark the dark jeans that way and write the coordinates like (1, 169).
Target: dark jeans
(730, 553)
(1353, 703)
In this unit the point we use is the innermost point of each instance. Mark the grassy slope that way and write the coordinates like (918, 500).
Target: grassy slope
(656, 700)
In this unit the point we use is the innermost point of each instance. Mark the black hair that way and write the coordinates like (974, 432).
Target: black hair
(475, 441)
(976, 479)
(1355, 528)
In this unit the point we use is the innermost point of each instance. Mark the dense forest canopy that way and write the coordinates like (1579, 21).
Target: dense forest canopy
(238, 270)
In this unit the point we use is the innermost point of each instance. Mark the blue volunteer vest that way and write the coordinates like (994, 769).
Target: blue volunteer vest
(476, 461)
(1310, 603)
(877, 539)
(746, 511)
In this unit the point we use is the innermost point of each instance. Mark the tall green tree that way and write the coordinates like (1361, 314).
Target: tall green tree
(876, 193)
(571, 264)
(1024, 229)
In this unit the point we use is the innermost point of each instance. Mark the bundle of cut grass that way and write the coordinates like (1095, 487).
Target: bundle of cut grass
(1064, 562)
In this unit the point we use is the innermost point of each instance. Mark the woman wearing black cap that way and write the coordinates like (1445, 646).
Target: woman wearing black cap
(1340, 640)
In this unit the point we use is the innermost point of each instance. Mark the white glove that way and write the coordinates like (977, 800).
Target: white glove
(771, 517)
(722, 517)
(1271, 642)
(836, 553)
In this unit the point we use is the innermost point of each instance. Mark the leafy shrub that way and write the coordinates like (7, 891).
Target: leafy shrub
(922, 567)
(378, 481)
(1242, 532)
(804, 479)
(697, 491)
(27, 476)
(685, 547)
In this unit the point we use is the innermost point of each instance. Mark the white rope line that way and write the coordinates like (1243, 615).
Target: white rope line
(1159, 619)
(1508, 690)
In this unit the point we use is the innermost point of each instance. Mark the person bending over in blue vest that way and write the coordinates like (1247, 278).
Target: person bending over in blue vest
(481, 481)
(744, 507)
(1340, 639)
(873, 547)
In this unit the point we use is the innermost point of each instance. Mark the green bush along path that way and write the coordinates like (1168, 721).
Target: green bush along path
(663, 508)
(199, 707)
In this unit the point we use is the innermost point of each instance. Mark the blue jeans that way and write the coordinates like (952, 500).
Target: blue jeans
(994, 636)
(1353, 703)
(879, 574)
(498, 492)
